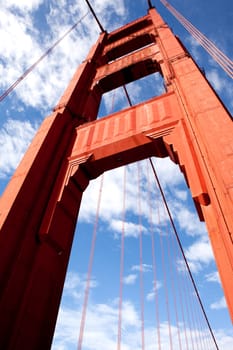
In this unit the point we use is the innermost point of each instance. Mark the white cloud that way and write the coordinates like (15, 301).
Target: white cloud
(151, 295)
(195, 47)
(216, 80)
(181, 194)
(213, 277)
(219, 304)
(22, 5)
(220, 84)
(145, 268)
(101, 330)
(188, 220)
(101, 326)
(111, 200)
(224, 339)
(105, 10)
(75, 285)
(130, 279)
(169, 172)
(15, 136)
(22, 44)
(112, 197)
(199, 255)
(131, 229)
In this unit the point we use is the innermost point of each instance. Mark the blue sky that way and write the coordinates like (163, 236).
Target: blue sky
(27, 29)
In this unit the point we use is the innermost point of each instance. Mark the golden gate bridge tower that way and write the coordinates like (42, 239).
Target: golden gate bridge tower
(39, 208)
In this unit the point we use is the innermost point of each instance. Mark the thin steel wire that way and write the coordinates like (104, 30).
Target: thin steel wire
(181, 300)
(225, 62)
(121, 265)
(171, 275)
(141, 259)
(153, 259)
(35, 64)
(165, 281)
(90, 265)
(183, 255)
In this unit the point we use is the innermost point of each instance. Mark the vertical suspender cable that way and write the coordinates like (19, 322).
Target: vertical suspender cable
(121, 265)
(182, 252)
(168, 239)
(153, 260)
(190, 307)
(181, 301)
(87, 289)
(165, 282)
(141, 258)
(188, 311)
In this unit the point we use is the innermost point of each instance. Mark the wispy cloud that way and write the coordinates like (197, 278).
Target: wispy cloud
(22, 44)
(24, 5)
(130, 279)
(213, 277)
(199, 255)
(75, 285)
(151, 295)
(145, 268)
(219, 304)
(101, 326)
(188, 220)
(15, 136)
(130, 228)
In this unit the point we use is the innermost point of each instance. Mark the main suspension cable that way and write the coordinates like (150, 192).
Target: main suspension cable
(182, 252)
(95, 16)
(225, 62)
(31, 68)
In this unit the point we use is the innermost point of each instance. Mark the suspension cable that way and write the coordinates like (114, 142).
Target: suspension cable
(172, 279)
(155, 286)
(31, 68)
(150, 4)
(165, 279)
(95, 16)
(127, 96)
(90, 265)
(121, 265)
(178, 240)
(181, 300)
(183, 254)
(225, 62)
(141, 259)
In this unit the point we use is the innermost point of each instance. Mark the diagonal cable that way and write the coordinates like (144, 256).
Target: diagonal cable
(31, 68)
(225, 62)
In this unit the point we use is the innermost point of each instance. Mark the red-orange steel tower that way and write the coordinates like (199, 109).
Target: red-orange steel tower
(39, 208)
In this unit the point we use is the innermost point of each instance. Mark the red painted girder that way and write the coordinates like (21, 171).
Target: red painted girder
(129, 44)
(130, 28)
(151, 52)
(140, 125)
(153, 115)
(124, 40)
